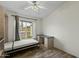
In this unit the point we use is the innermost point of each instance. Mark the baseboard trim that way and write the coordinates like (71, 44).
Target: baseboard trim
(66, 52)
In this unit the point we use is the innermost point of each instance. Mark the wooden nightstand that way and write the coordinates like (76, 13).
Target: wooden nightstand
(40, 38)
(49, 42)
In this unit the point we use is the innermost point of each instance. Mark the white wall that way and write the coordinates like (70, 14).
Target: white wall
(63, 24)
(39, 26)
(11, 26)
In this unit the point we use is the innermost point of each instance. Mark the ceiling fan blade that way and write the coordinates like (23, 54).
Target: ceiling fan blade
(30, 2)
(42, 7)
(27, 7)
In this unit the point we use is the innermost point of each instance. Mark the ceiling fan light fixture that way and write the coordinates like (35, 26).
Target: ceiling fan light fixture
(35, 7)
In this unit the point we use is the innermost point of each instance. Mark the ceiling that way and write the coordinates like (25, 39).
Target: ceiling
(18, 6)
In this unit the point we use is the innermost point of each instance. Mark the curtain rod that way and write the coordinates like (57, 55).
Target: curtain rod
(24, 17)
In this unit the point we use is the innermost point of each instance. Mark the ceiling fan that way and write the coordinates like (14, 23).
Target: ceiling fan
(35, 5)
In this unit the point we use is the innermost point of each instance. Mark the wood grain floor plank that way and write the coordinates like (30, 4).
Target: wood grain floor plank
(42, 52)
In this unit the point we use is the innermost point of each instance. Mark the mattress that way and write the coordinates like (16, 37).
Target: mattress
(19, 44)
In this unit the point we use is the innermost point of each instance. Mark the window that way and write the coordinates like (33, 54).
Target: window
(25, 29)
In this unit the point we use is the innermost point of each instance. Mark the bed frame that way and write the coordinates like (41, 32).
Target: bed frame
(7, 53)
